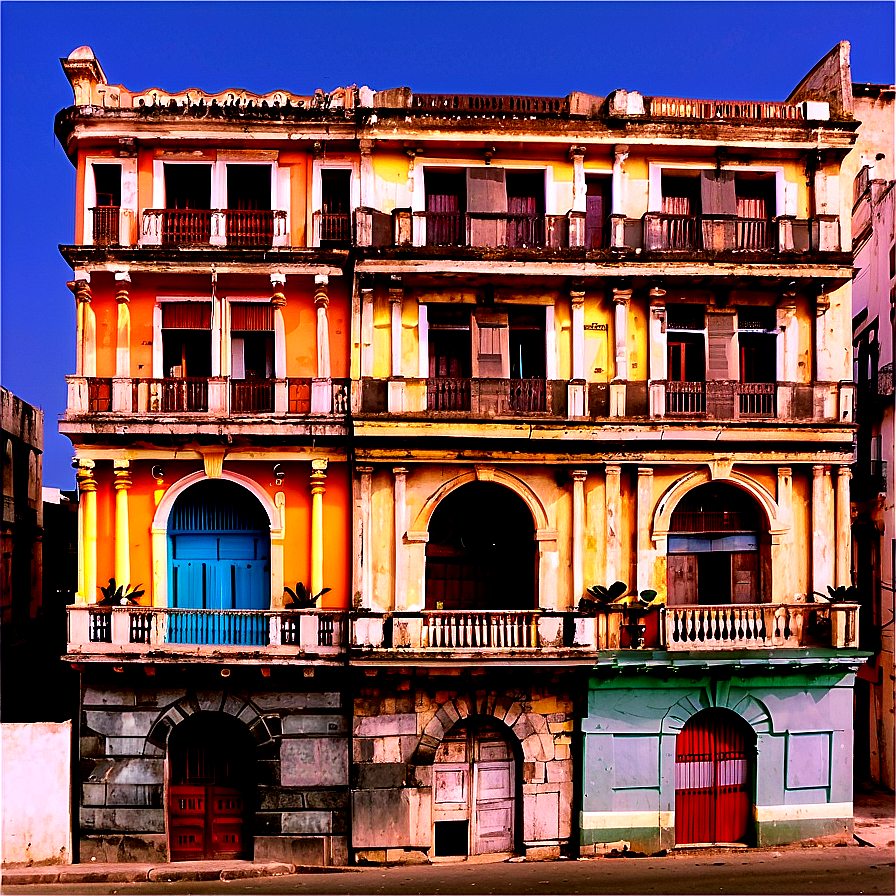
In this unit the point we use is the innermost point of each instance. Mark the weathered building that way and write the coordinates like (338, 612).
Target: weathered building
(455, 359)
(874, 297)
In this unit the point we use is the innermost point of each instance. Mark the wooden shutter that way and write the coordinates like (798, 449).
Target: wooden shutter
(717, 193)
(681, 579)
(721, 361)
(187, 315)
(238, 358)
(251, 316)
(493, 344)
(487, 193)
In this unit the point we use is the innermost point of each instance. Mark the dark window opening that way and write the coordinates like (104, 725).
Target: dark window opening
(188, 186)
(686, 358)
(481, 551)
(445, 207)
(525, 208)
(597, 211)
(685, 317)
(107, 180)
(335, 221)
(187, 353)
(452, 838)
(527, 343)
(757, 358)
(681, 195)
(249, 187)
(755, 209)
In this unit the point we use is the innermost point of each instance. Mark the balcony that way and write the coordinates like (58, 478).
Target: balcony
(214, 396)
(731, 400)
(487, 395)
(213, 227)
(171, 635)
(106, 221)
(333, 229)
(490, 230)
(162, 634)
(533, 634)
(698, 233)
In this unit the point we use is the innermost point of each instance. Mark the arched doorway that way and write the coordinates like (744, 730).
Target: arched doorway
(219, 559)
(714, 778)
(211, 781)
(718, 553)
(481, 553)
(474, 792)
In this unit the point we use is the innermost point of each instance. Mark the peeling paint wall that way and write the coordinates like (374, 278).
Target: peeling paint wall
(36, 785)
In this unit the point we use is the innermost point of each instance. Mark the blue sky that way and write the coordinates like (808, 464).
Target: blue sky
(734, 50)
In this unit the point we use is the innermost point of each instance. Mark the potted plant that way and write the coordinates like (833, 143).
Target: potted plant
(301, 598)
(119, 596)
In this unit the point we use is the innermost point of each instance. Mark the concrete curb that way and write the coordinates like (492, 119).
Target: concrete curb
(179, 871)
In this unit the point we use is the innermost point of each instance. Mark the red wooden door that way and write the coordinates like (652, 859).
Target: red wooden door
(206, 822)
(712, 779)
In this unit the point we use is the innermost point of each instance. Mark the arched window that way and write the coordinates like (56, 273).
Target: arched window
(717, 550)
(481, 552)
(219, 559)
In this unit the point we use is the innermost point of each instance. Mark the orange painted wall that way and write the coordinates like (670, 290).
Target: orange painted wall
(297, 550)
(79, 201)
(144, 180)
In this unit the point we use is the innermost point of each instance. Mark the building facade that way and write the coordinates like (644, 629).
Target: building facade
(874, 297)
(448, 361)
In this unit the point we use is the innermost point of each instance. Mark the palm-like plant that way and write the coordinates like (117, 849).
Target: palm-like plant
(301, 598)
(119, 595)
(601, 597)
(842, 594)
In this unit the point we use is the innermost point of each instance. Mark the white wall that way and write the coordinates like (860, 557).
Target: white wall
(36, 792)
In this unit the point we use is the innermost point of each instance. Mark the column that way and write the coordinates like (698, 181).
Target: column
(281, 388)
(365, 548)
(121, 385)
(576, 398)
(823, 358)
(578, 535)
(787, 351)
(656, 372)
(87, 525)
(366, 180)
(318, 487)
(85, 349)
(621, 299)
(614, 536)
(843, 535)
(122, 473)
(579, 197)
(366, 289)
(822, 529)
(782, 558)
(422, 341)
(645, 542)
(398, 571)
(396, 297)
(617, 231)
(321, 390)
(321, 303)
(396, 384)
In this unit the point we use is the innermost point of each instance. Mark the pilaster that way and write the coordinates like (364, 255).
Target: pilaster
(122, 482)
(318, 487)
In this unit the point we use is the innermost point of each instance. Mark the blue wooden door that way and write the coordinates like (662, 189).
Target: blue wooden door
(219, 560)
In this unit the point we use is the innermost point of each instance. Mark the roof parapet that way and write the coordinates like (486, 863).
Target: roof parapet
(829, 81)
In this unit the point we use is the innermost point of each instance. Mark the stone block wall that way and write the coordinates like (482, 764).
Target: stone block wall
(300, 804)
(398, 724)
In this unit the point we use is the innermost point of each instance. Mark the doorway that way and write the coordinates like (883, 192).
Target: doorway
(474, 793)
(211, 775)
(713, 778)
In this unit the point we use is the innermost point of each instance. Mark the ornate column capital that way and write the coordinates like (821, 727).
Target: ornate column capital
(364, 469)
(579, 475)
(318, 476)
(85, 475)
(81, 290)
(622, 296)
(121, 470)
(396, 288)
(321, 295)
(366, 146)
(577, 152)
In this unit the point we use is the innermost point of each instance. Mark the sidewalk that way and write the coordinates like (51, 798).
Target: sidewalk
(873, 813)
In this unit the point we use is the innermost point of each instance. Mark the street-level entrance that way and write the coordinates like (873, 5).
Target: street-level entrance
(474, 793)
(713, 775)
(210, 766)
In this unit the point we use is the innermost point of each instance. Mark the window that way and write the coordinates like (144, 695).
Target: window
(685, 342)
(249, 218)
(680, 226)
(597, 211)
(445, 207)
(756, 335)
(525, 209)
(107, 210)
(187, 217)
(335, 221)
(186, 339)
(755, 207)
(252, 356)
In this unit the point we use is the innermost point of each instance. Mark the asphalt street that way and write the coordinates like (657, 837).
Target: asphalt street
(847, 870)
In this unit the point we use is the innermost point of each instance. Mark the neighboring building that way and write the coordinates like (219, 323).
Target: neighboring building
(22, 428)
(874, 313)
(455, 359)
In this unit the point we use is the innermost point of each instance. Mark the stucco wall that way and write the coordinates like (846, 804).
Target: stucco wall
(36, 789)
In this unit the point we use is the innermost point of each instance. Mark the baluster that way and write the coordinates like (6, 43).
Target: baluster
(762, 632)
(468, 631)
(691, 622)
(787, 628)
(701, 633)
(714, 623)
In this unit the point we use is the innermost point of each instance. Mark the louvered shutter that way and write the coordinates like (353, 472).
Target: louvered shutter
(487, 193)
(717, 195)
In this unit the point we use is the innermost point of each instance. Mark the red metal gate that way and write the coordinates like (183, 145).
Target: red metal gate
(712, 779)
